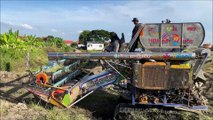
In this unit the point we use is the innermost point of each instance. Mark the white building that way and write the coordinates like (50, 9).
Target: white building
(95, 46)
(81, 45)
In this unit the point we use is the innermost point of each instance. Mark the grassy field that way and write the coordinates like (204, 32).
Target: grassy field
(15, 60)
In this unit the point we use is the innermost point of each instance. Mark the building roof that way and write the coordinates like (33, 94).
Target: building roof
(68, 41)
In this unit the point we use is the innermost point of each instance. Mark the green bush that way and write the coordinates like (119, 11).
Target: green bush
(14, 49)
(74, 45)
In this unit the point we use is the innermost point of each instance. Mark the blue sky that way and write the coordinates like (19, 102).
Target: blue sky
(67, 19)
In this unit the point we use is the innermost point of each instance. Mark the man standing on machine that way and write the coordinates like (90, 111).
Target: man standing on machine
(135, 35)
(137, 25)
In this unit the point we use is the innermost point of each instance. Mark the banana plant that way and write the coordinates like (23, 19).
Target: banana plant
(13, 40)
(9, 39)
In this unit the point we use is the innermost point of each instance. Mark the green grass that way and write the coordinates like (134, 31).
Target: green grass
(99, 105)
(15, 59)
(60, 114)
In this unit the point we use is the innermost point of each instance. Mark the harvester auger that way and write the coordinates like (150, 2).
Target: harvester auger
(166, 73)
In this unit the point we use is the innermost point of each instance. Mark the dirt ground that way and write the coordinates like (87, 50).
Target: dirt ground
(17, 104)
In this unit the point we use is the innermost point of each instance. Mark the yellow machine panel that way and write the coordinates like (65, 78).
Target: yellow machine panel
(159, 75)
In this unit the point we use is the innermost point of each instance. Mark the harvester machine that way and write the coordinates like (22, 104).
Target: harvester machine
(165, 71)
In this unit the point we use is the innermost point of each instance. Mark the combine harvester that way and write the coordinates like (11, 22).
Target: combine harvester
(164, 74)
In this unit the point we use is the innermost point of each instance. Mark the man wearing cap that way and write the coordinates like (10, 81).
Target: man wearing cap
(136, 23)
(135, 35)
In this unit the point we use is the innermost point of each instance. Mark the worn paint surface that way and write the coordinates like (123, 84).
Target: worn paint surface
(124, 55)
(172, 35)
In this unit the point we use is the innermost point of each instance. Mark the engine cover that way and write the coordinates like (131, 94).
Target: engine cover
(158, 76)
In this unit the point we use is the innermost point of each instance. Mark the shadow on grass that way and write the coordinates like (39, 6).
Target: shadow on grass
(101, 104)
(14, 86)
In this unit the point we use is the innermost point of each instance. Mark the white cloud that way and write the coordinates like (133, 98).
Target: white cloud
(27, 26)
(10, 23)
(79, 31)
(63, 33)
(53, 30)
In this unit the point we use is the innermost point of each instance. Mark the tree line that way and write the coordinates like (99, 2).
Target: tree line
(12, 39)
(94, 36)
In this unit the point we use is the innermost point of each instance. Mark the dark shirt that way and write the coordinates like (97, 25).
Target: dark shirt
(135, 29)
(114, 44)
